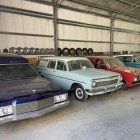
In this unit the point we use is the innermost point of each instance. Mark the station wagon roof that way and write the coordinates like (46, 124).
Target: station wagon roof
(61, 58)
(125, 55)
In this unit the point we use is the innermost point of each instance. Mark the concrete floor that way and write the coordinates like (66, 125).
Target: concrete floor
(114, 116)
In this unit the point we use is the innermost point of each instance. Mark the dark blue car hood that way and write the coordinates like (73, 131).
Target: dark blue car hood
(12, 89)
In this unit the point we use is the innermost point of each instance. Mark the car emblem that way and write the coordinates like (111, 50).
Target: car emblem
(33, 91)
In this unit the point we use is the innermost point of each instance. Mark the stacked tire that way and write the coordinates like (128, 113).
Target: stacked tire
(74, 52)
(50, 51)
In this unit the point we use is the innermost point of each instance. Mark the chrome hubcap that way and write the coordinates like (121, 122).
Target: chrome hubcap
(79, 93)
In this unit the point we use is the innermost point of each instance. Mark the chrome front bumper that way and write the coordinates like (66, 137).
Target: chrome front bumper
(34, 114)
(102, 90)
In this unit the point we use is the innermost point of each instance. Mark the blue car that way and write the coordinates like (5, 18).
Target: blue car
(23, 93)
(131, 60)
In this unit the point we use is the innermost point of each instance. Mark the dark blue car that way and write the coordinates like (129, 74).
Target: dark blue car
(130, 60)
(23, 93)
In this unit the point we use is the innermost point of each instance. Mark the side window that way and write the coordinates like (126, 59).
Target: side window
(121, 58)
(42, 63)
(51, 64)
(127, 59)
(99, 63)
(61, 66)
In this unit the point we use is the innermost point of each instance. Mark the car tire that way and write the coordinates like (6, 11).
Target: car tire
(52, 51)
(85, 51)
(124, 86)
(78, 51)
(72, 51)
(79, 93)
(59, 51)
(90, 51)
(65, 52)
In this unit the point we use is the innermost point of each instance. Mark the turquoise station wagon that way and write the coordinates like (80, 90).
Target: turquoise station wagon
(79, 75)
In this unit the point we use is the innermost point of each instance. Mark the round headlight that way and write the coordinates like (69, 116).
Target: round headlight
(135, 79)
(93, 84)
(120, 78)
(7, 110)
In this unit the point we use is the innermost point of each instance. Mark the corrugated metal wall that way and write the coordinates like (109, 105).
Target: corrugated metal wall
(75, 29)
(127, 41)
(73, 36)
(30, 31)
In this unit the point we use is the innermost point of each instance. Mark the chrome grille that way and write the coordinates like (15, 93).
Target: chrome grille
(105, 83)
(34, 106)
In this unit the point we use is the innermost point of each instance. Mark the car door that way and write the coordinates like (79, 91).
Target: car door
(61, 74)
(50, 70)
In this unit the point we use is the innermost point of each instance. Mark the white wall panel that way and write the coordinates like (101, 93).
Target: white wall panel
(126, 37)
(23, 4)
(78, 33)
(20, 41)
(126, 25)
(29, 41)
(41, 8)
(125, 47)
(82, 17)
(25, 24)
(28, 24)
(6, 2)
(17, 3)
(45, 24)
(66, 31)
(17, 23)
(61, 31)
(50, 27)
(1, 43)
(7, 22)
(36, 26)
(38, 42)
(0, 21)
(26, 5)
(71, 32)
(64, 44)
(7, 41)
(83, 33)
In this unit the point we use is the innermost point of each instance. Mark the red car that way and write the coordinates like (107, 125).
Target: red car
(131, 76)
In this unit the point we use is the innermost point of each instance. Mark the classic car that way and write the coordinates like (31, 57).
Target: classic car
(131, 60)
(23, 93)
(79, 75)
(131, 76)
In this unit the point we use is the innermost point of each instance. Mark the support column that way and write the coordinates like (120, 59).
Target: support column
(111, 35)
(55, 17)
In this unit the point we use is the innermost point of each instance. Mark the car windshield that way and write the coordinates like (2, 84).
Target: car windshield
(114, 62)
(137, 58)
(22, 71)
(79, 64)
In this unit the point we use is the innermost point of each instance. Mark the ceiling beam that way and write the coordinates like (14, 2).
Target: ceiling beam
(82, 2)
(128, 8)
(129, 3)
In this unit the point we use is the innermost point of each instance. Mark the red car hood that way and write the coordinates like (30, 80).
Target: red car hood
(135, 71)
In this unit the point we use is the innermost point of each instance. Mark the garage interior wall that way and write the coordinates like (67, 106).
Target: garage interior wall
(30, 24)
(26, 30)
